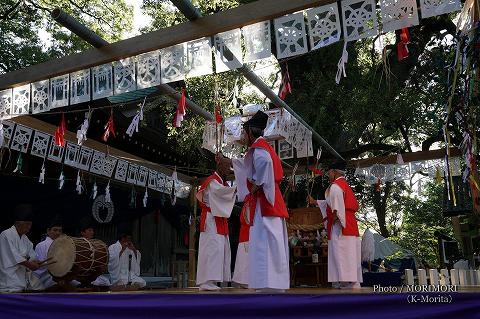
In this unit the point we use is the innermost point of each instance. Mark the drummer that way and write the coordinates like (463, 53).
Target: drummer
(86, 229)
(17, 257)
(53, 232)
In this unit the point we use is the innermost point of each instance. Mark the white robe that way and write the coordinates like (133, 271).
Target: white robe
(214, 255)
(240, 273)
(344, 255)
(268, 246)
(118, 268)
(14, 250)
(42, 250)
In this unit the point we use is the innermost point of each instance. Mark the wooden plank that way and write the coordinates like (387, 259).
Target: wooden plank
(206, 26)
(39, 125)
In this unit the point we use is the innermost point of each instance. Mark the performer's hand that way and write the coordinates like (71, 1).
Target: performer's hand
(254, 189)
(131, 246)
(32, 265)
(311, 201)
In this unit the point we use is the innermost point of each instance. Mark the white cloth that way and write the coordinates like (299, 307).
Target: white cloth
(240, 273)
(344, 252)
(214, 255)
(118, 268)
(42, 251)
(268, 246)
(14, 250)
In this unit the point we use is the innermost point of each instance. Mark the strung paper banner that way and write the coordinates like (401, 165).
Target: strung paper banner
(21, 138)
(148, 69)
(324, 25)
(230, 59)
(257, 41)
(199, 57)
(124, 73)
(431, 8)
(398, 14)
(80, 86)
(40, 96)
(291, 36)
(172, 63)
(59, 88)
(359, 19)
(102, 76)
(6, 98)
(21, 100)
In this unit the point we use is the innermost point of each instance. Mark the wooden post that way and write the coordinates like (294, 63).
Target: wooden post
(192, 252)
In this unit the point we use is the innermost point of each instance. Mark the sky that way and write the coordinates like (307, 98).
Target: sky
(140, 20)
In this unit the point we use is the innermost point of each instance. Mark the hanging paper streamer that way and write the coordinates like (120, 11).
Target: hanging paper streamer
(18, 169)
(235, 94)
(82, 132)
(133, 198)
(107, 193)
(400, 159)
(342, 64)
(94, 190)
(173, 195)
(218, 116)
(79, 184)
(2, 138)
(60, 132)
(145, 198)
(180, 113)
(109, 128)
(133, 127)
(285, 86)
(41, 178)
(402, 48)
(61, 180)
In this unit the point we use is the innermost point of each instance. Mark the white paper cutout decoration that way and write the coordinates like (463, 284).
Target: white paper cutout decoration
(199, 57)
(148, 70)
(224, 60)
(402, 172)
(132, 173)
(84, 157)
(59, 91)
(102, 80)
(152, 179)
(431, 8)
(6, 99)
(142, 176)
(121, 171)
(21, 138)
(285, 149)
(324, 25)
(172, 63)
(8, 128)
(257, 41)
(71, 150)
(124, 74)
(55, 153)
(291, 35)
(21, 100)
(40, 144)
(80, 86)
(359, 19)
(109, 166)
(98, 159)
(161, 182)
(398, 14)
(40, 96)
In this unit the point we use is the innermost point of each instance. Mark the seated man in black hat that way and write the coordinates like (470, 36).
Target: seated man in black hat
(53, 232)
(17, 257)
(338, 209)
(258, 176)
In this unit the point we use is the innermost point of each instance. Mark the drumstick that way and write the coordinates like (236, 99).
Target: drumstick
(50, 263)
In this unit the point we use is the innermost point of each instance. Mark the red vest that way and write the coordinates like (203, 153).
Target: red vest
(220, 222)
(278, 209)
(244, 226)
(351, 206)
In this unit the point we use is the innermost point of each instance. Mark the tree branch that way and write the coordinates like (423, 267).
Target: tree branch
(5, 15)
(370, 147)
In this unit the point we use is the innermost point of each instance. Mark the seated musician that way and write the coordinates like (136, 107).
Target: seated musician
(123, 264)
(53, 232)
(17, 257)
(86, 229)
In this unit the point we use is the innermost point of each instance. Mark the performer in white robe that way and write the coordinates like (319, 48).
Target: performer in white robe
(123, 265)
(240, 274)
(53, 232)
(344, 244)
(214, 257)
(17, 257)
(259, 174)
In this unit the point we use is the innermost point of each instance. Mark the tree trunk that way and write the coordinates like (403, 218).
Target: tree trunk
(380, 205)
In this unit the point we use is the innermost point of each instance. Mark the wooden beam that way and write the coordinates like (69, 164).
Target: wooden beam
(206, 26)
(39, 125)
